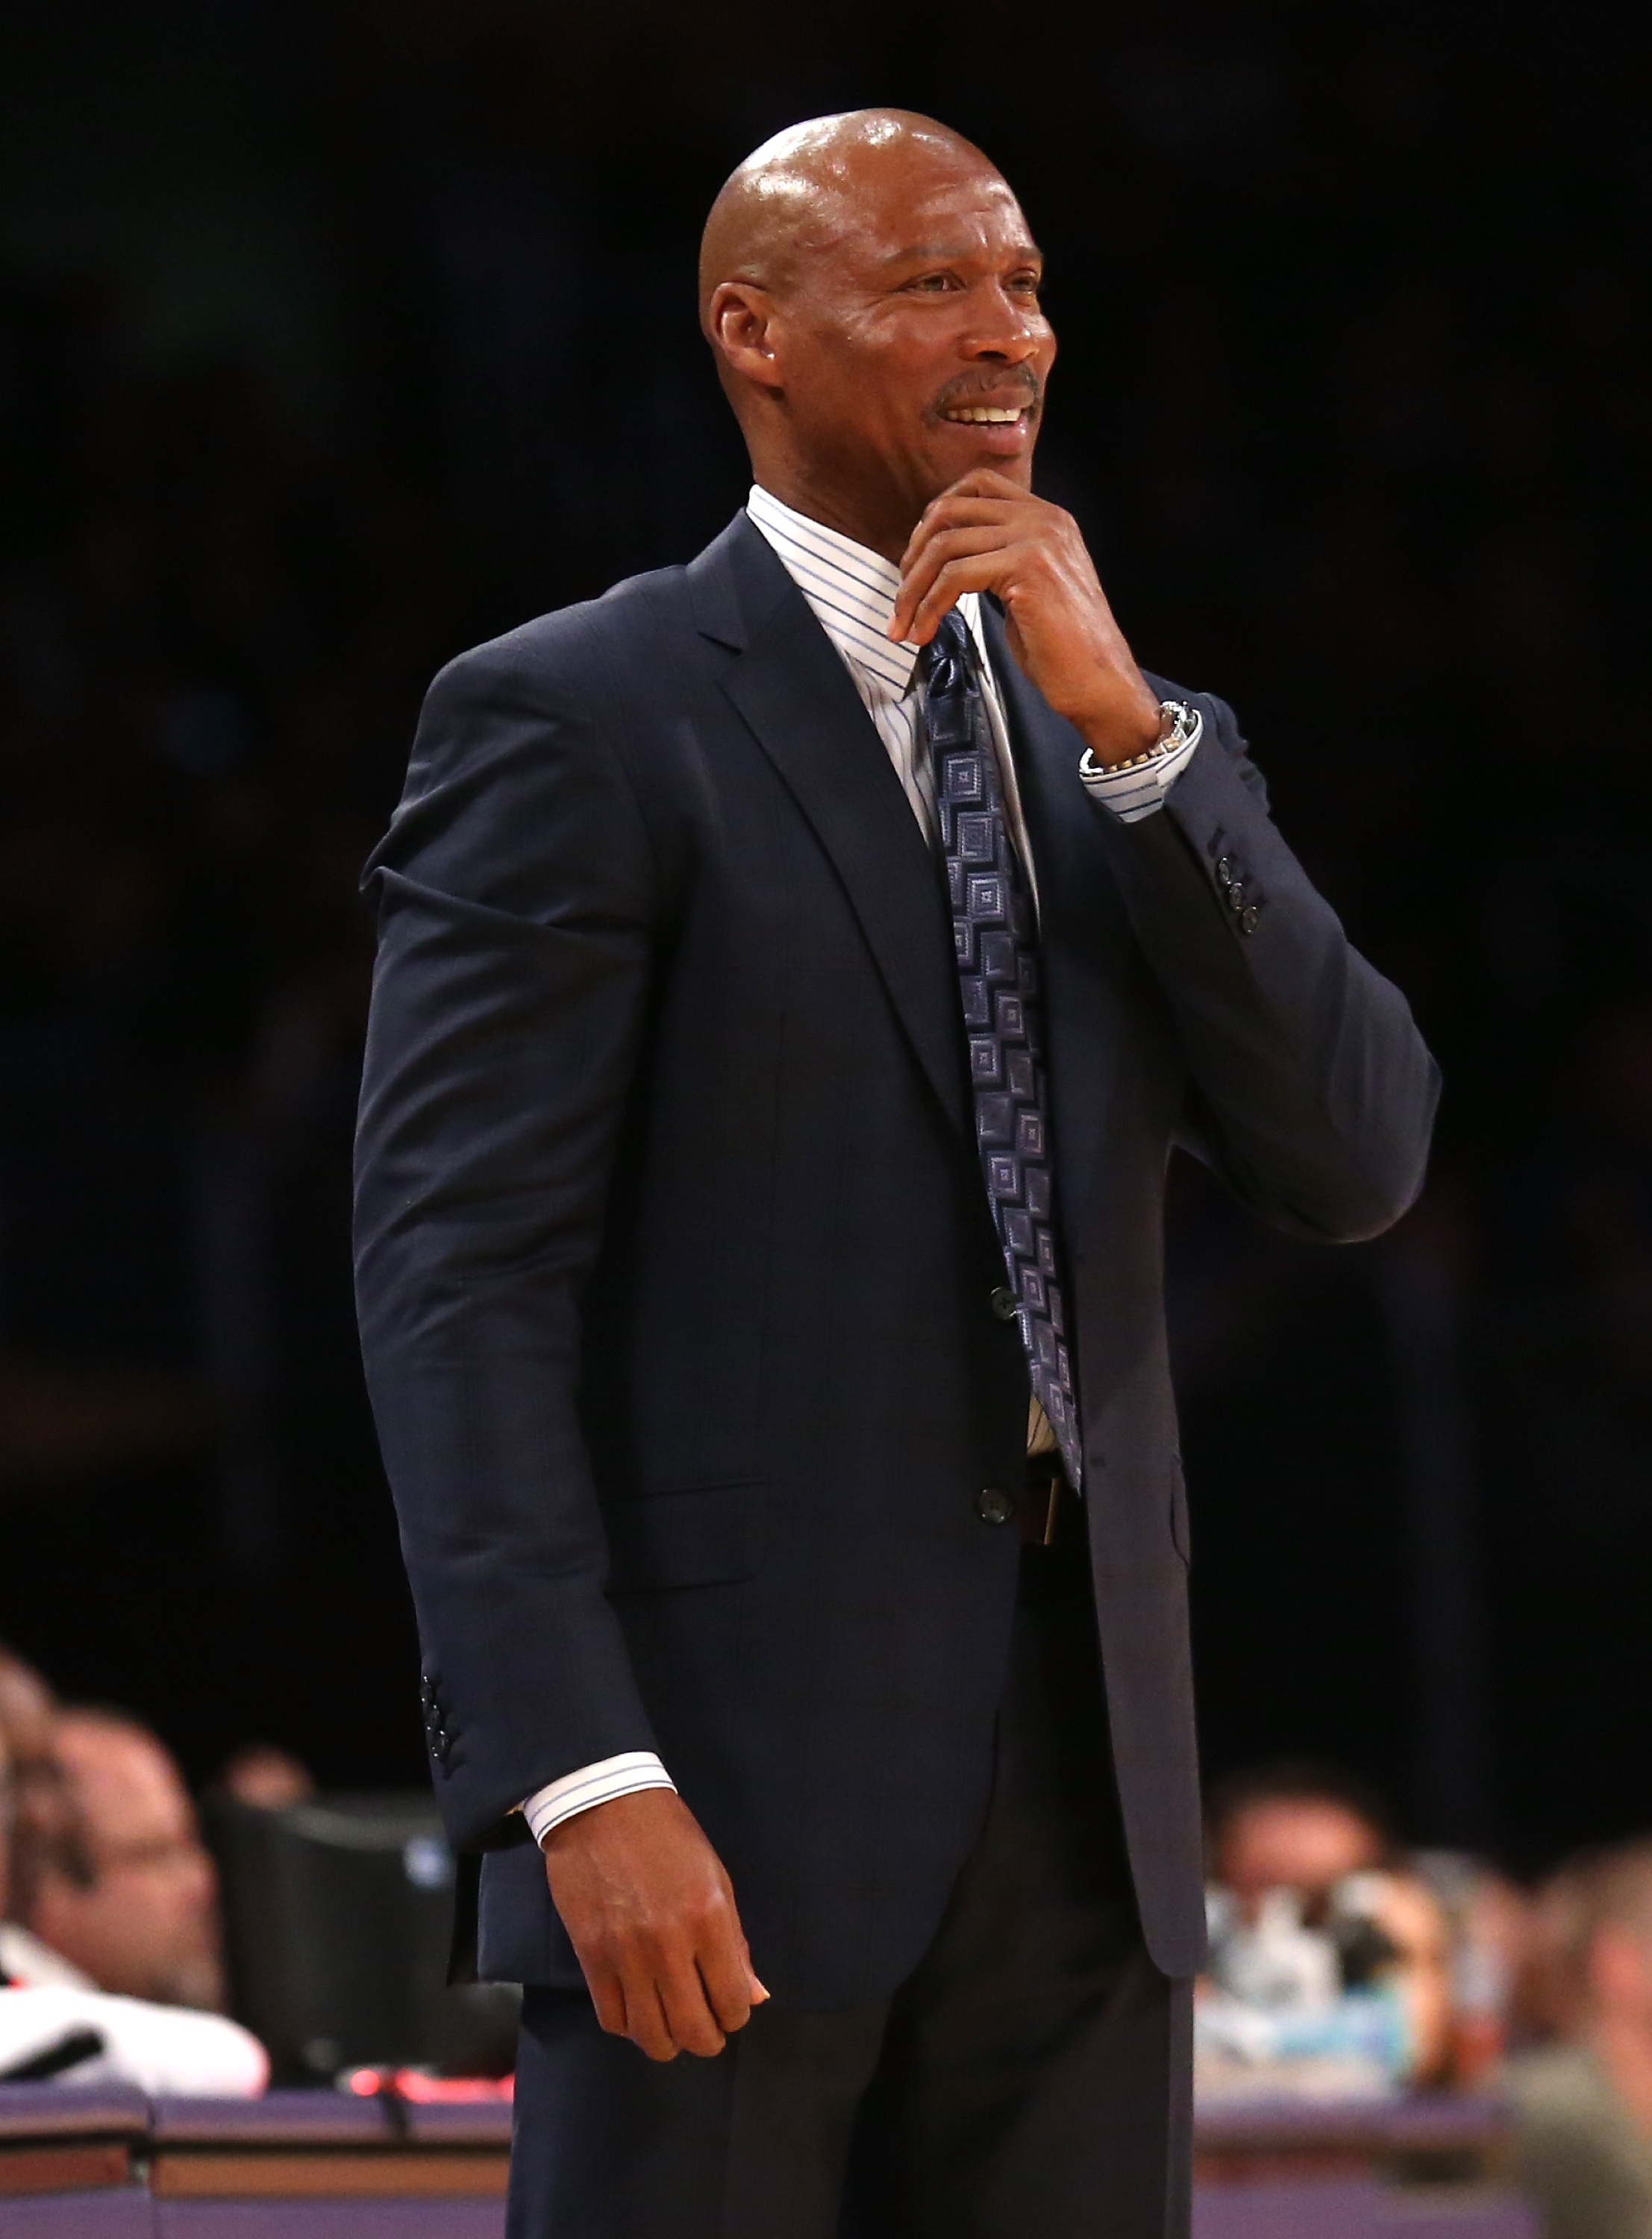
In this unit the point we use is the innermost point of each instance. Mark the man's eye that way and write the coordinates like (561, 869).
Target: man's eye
(931, 283)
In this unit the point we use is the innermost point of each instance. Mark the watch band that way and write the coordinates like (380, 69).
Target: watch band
(1180, 727)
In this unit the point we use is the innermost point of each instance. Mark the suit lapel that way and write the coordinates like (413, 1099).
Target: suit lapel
(795, 695)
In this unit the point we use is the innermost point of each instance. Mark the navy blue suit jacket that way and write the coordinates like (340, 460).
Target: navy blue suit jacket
(675, 1261)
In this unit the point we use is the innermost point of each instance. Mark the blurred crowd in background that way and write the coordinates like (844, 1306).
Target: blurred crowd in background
(334, 339)
(1346, 1966)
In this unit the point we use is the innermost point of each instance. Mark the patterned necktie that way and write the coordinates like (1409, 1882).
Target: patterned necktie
(995, 941)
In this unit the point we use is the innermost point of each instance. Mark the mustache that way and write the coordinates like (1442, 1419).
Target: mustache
(978, 388)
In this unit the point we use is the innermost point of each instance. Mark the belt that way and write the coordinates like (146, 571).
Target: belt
(1042, 1503)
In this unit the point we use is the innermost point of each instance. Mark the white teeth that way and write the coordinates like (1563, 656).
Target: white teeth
(993, 414)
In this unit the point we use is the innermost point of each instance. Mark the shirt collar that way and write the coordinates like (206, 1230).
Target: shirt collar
(851, 590)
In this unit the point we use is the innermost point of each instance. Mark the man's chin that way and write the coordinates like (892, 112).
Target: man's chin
(959, 462)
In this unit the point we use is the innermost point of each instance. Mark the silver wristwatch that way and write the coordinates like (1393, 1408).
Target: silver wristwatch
(1179, 725)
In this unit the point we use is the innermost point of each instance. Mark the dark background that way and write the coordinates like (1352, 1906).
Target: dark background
(333, 338)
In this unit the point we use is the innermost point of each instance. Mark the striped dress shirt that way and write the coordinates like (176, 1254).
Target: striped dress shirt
(851, 593)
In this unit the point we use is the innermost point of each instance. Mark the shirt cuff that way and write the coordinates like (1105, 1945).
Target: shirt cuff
(1131, 790)
(591, 1786)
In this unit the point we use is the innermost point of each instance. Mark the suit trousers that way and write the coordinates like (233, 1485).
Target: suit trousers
(1032, 2074)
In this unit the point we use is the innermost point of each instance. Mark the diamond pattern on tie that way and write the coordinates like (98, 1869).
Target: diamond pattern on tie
(995, 941)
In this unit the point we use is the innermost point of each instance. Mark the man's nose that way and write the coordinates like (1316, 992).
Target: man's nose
(1009, 336)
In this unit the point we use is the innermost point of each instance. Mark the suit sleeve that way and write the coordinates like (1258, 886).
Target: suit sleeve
(515, 892)
(1312, 1092)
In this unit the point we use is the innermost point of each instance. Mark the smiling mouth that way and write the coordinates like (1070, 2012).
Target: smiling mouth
(988, 415)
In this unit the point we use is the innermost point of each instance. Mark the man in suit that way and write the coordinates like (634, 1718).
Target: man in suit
(795, 970)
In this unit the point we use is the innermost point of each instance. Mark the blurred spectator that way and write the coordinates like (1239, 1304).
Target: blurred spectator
(86, 2036)
(1494, 1938)
(1550, 1991)
(1299, 1825)
(267, 1778)
(143, 1920)
(1332, 1962)
(39, 1823)
(23, 1958)
(1584, 2104)
(55, 2023)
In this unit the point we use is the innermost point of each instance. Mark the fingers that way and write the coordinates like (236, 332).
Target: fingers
(608, 1996)
(982, 498)
(654, 1993)
(983, 513)
(984, 572)
(758, 1996)
(731, 1988)
(984, 482)
(959, 509)
(687, 1995)
(646, 2022)
(694, 2028)
(660, 2004)
(940, 552)
(650, 1912)
(953, 511)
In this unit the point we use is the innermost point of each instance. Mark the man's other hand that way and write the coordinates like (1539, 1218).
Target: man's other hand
(986, 533)
(651, 1914)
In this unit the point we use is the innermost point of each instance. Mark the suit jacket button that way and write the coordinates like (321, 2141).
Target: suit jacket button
(1224, 870)
(1236, 898)
(1248, 917)
(1003, 1304)
(993, 1505)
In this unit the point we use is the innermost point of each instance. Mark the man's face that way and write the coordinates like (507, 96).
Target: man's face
(910, 346)
(147, 1925)
(1302, 1843)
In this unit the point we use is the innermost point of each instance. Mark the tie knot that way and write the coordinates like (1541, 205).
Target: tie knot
(946, 660)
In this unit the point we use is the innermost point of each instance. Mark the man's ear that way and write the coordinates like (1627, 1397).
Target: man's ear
(740, 320)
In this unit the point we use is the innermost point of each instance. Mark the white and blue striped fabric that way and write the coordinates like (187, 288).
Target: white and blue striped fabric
(852, 593)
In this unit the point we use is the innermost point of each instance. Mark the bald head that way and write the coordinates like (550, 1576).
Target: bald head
(869, 288)
(796, 196)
